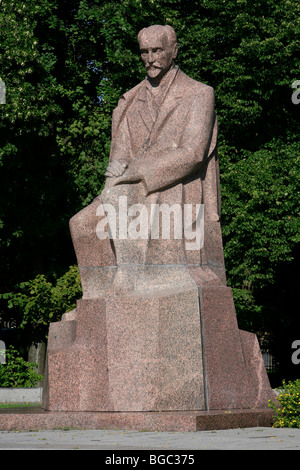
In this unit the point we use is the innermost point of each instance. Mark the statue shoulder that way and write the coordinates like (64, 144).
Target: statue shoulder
(193, 86)
(124, 102)
(130, 94)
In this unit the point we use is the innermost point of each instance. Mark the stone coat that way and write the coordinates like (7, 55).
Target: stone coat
(177, 155)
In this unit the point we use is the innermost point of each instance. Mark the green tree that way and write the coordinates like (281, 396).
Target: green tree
(65, 64)
(52, 159)
(16, 372)
(42, 300)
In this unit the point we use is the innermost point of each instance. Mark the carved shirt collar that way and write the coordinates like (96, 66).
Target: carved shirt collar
(156, 95)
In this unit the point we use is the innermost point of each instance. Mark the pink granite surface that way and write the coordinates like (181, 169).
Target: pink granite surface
(182, 421)
(183, 351)
(155, 330)
(127, 355)
(235, 371)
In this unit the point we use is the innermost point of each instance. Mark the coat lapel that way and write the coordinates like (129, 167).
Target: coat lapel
(142, 113)
(144, 110)
(171, 101)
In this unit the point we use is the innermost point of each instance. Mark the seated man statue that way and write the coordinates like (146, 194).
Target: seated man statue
(163, 163)
(156, 328)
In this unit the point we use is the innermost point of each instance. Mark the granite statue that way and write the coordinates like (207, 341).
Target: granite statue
(156, 328)
(163, 152)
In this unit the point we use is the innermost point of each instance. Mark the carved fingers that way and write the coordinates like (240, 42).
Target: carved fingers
(130, 175)
(116, 168)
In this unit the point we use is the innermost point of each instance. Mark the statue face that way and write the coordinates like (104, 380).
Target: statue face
(157, 54)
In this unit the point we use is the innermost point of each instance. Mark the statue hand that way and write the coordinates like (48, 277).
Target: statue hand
(116, 168)
(130, 175)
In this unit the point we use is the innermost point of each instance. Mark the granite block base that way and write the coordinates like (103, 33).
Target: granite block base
(124, 354)
(35, 419)
(168, 352)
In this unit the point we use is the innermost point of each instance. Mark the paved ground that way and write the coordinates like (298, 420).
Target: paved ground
(235, 439)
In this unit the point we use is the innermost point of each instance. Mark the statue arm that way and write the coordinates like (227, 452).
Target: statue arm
(161, 168)
(175, 163)
(119, 152)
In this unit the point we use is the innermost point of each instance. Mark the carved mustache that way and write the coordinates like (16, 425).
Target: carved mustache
(154, 67)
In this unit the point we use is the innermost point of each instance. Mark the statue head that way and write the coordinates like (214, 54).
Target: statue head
(158, 46)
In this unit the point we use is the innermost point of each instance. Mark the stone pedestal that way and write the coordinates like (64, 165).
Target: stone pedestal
(155, 333)
(173, 351)
(123, 354)
(28, 419)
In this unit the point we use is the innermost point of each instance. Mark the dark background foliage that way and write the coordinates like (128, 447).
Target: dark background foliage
(65, 64)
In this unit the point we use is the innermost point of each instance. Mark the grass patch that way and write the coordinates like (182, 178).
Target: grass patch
(18, 405)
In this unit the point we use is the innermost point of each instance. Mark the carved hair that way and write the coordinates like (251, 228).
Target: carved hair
(167, 30)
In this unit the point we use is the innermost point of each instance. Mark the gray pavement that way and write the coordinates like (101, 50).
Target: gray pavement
(234, 439)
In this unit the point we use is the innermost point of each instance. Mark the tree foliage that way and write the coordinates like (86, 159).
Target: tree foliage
(16, 372)
(65, 64)
(42, 300)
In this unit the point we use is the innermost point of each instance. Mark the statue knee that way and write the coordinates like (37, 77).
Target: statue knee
(83, 224)
(78, 224)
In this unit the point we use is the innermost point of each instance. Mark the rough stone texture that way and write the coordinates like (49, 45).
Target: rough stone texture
(33, 419)
(20, 395)
(125, 354)
(156, 330)
(235, 371)
(168, 352)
